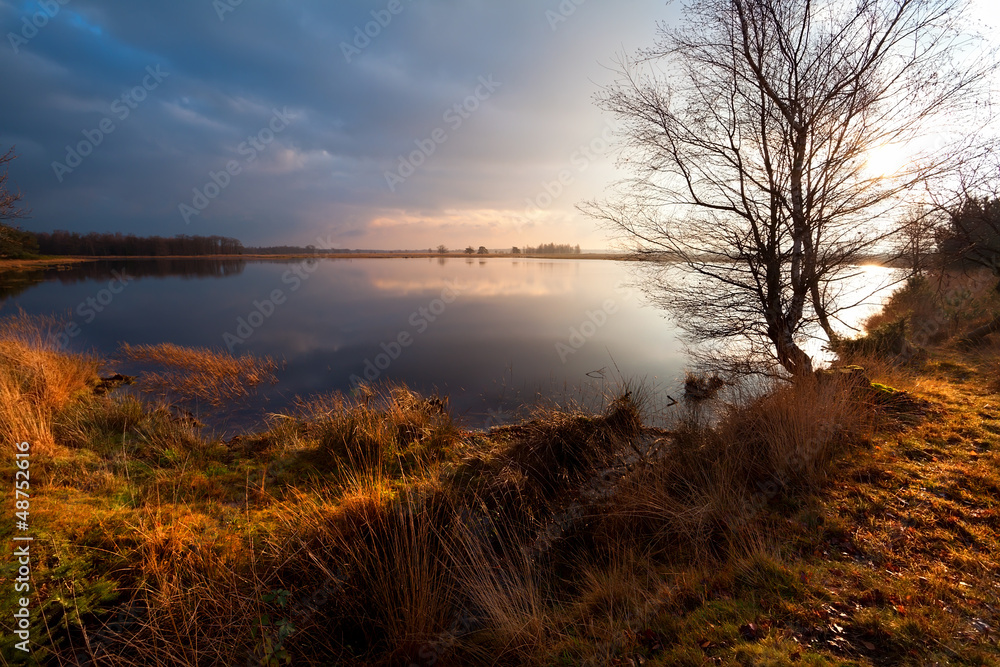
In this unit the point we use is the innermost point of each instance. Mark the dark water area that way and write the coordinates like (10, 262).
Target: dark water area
(492, 334)
(13, 284)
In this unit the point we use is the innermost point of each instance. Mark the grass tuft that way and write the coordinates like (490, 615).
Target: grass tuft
(198, 374)
(37, 379)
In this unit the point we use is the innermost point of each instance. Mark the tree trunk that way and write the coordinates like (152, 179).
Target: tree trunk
(821, 314)
(976, 336)
(791, 357)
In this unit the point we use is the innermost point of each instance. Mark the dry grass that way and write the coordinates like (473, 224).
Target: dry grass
(36, 379)
(950, 302)
(379, 423)
(394, 587)
(706, 493)
(198, 374)
(21, 265)
(825, 523)
(507, 615)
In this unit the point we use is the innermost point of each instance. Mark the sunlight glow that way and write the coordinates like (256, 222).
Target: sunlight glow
(885, 161)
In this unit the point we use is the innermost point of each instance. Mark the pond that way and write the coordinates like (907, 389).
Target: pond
(490, 333)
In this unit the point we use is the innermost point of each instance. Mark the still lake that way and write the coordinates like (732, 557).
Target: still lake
(482, 331)
(493, 334)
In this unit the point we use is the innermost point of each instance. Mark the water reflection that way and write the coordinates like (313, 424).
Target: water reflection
(491, 347)
(510, 332)
(12, 284)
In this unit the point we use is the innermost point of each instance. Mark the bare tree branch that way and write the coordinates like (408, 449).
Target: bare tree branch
(750, 130)
(11, 239)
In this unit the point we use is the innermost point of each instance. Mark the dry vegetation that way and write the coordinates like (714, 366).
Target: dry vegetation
(188, 374)
(36, 380)
(833, 522)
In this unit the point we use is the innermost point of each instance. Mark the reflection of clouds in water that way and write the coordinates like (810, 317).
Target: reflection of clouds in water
(302, 340)
(502, 328)
(484, 287)
(474, 278)
(478, 278)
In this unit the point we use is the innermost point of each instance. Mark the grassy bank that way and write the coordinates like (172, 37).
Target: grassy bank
(834, 522)
(19, 265)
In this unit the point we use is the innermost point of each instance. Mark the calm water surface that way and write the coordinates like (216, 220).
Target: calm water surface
(491, 334)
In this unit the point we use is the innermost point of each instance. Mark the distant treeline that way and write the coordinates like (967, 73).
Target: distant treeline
(293, 250)
(130, 245)
(553, 249)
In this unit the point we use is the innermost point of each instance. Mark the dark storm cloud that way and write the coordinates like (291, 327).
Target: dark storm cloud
(188, 87)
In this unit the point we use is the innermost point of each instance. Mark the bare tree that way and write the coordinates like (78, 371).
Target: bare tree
(752, 129)
(9, 209)
(11, 238)
(972, 210)
(972, 234)
(920, 230)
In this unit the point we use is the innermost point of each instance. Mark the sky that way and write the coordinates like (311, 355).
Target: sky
(385, 124)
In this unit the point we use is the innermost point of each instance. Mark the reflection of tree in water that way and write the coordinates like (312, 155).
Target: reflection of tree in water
(13, 283)
(150, 268)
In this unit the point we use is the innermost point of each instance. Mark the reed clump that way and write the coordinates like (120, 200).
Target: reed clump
(37, 378)
(198, 374)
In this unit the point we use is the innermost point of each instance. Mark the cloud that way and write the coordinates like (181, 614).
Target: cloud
(353, 120)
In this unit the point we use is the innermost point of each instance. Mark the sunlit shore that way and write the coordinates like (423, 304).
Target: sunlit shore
(373, 528)
(48, 262)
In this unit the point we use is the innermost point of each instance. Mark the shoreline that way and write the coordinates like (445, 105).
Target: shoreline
(16, 264)
(597, 504)
(13, 265)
